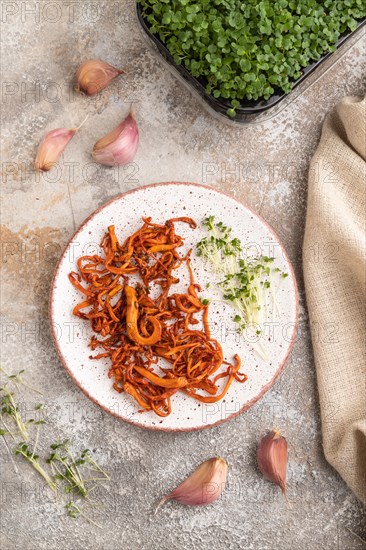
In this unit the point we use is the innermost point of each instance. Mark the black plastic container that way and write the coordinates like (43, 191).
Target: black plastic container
(247, 109)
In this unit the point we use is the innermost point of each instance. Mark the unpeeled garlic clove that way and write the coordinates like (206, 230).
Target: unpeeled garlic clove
(203, 486)
(94, 75)
(272, 458)
(52, 146)
(120, 145)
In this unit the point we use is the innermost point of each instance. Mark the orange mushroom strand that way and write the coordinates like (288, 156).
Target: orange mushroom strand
(132, 318)
(142, 335)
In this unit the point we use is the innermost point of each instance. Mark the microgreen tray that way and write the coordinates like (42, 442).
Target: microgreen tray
(247, 110)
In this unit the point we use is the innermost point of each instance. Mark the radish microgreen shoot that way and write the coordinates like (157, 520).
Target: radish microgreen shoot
(249, 50)
(246, 282)
(17, 380)
(78, 476)
(66, 467)
(33, 459)
(74, 511)
(10, 409)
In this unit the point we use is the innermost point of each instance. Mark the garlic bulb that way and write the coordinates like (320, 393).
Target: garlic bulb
(203, 486)
(95, 75)
(120, 145)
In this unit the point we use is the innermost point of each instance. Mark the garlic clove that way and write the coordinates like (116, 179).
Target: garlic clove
(51, 148)
(120, 145)
(272, 458)
(94, 75)
(203, 486)
(53, 145)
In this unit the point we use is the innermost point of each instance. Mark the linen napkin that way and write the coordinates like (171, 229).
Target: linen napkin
(335, 283)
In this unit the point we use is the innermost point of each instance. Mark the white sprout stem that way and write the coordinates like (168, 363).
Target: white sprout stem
(73, 482)
(74, 467)
(4, 371)
(56, 469)
(32, 388)
(19, 379)
(36, 441)
(10, 454)
(8, 429)
(52, 485)
(89, 519)
(97, 467)
(76, 507)
(17, 417)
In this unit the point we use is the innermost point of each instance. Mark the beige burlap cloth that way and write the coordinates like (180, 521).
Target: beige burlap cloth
(335, 283)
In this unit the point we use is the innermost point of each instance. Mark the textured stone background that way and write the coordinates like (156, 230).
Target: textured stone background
(264, 164)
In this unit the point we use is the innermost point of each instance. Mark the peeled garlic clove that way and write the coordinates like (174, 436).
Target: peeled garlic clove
(94, 75)
(203, 486)
(272, 458)
(51, 148)
(120, 145)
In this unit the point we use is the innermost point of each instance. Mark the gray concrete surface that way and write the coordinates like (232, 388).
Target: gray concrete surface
(264, 164)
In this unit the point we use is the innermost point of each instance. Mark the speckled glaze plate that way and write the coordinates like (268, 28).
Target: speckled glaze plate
(161, 202)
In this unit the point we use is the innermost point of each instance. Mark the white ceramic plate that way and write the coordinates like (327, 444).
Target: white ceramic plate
(161, 202)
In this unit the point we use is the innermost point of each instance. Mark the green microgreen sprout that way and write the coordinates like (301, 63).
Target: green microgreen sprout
(70, 470)
(33, 459)
(66, 467)
(38, 423)
(3, 434)
(10, 409)
(17, 380)
(246, 282)
(249, 50)
(85, 458)
(74, 511)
